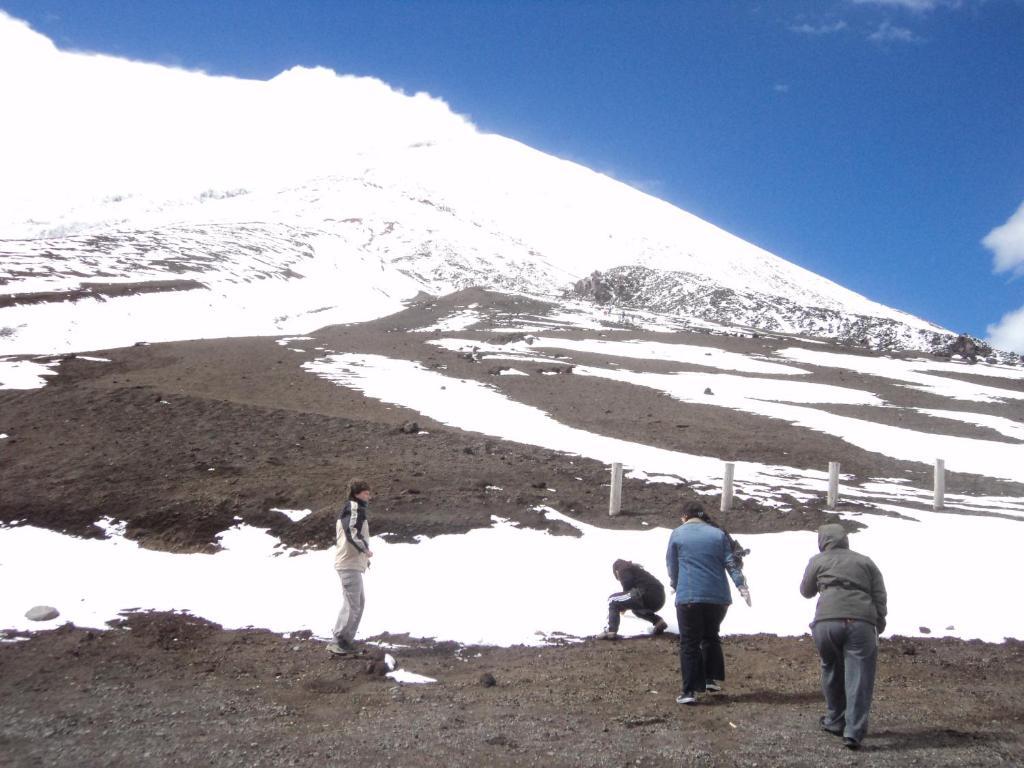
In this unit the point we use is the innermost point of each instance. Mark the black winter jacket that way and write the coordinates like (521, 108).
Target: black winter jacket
(632, 576)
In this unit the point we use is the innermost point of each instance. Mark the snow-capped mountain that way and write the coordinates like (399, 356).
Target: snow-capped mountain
(412, 198)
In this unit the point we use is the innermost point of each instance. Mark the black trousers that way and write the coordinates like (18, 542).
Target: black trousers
(635, 600)
(700, 647)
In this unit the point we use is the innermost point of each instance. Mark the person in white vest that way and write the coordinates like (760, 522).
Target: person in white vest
(352, 558)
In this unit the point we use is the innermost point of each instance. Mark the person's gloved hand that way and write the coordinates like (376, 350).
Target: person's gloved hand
(745, 592)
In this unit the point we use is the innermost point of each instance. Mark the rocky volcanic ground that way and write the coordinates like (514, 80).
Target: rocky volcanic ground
(136, 439)
(170, 690)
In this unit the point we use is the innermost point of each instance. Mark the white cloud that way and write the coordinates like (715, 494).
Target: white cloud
(819, 29)
(1008, 333)
(890, 33)
(1007, 244)
(910, 5)
(139, 126)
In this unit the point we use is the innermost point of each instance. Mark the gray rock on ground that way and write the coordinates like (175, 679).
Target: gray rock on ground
(42, 613)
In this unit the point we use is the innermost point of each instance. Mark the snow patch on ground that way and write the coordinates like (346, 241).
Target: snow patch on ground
(918, 373)
(405, 676)
(287, 594)
(459, 321)
(690, 354)
(24, 374)
(295, 515)
(1009, 427)
(284, 342)
(709, 357)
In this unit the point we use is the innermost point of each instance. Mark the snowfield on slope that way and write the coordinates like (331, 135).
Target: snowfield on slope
(409, 188)
(241, 302)
(501, 605)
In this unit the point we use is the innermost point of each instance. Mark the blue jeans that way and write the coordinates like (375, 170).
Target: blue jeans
(849, 652)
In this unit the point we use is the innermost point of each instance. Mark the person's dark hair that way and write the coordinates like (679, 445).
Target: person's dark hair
(357, 486)
(694, 509)
(619, 565)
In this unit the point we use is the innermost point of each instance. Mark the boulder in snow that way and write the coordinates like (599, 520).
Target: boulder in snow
(42, 613)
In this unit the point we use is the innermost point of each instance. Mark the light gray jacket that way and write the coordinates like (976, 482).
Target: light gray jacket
(849, 583)
(352, 534)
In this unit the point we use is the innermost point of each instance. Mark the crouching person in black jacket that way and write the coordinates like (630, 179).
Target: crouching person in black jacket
(641, 593)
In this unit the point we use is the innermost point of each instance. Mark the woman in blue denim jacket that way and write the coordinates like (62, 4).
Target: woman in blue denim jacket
(699, 555)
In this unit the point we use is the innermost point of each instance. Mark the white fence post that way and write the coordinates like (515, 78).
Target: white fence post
(615, 500)
(940, 484)
(833, 484)
(730, 472)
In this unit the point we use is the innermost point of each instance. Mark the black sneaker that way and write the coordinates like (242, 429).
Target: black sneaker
(850, 743)
(659, 627)
(712, 686)
(687, 697)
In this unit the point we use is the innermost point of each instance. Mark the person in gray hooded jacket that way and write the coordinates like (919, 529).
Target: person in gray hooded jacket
(850, 615)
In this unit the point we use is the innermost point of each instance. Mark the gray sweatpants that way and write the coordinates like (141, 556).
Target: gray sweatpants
(849, 652)
(352, 605)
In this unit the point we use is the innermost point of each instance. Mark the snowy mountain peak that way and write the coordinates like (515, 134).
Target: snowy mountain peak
(309, 177)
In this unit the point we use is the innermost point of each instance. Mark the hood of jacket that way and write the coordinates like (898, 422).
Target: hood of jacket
(832, 536)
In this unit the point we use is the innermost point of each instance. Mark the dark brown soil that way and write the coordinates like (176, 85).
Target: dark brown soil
(171, 690)
(180, 439)
(101, 291)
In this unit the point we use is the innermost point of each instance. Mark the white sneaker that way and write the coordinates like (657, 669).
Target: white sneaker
(712, 686)
(686, 698)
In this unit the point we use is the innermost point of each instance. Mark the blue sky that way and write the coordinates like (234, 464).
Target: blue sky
(876, 142)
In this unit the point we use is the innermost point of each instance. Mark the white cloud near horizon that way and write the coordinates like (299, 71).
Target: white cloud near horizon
(818, 29)
(1008, 333)
(890, 33)
(919, 6)
(1007, 245)
(139, 126)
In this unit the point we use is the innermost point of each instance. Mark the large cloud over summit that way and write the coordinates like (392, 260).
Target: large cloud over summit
(81, 125)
